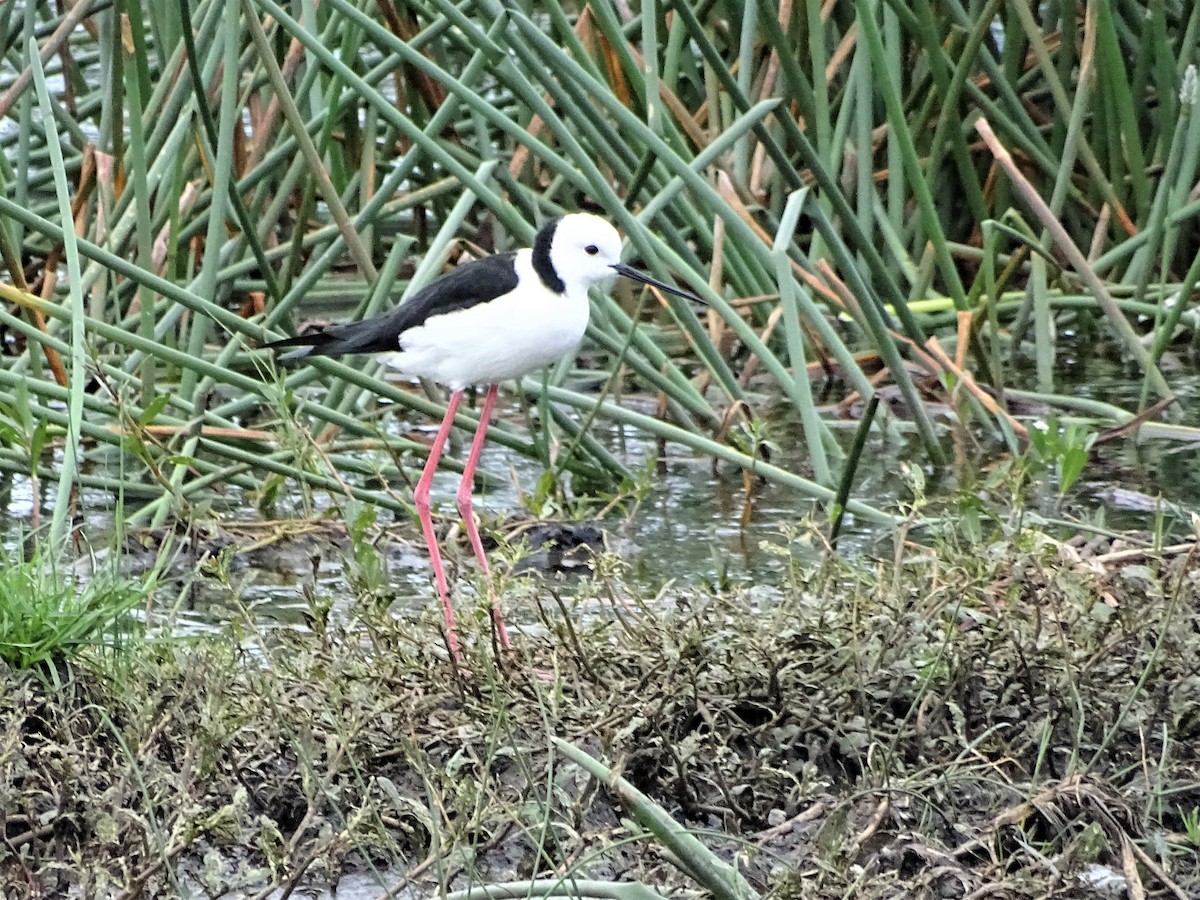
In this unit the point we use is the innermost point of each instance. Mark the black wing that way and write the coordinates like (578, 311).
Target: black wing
(462, 287)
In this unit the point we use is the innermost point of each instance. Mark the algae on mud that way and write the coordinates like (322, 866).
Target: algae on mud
(998, 718)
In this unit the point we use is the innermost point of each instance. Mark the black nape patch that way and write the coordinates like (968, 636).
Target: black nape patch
(542, 263)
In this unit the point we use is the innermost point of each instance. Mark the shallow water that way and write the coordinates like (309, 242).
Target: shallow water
(687, 527)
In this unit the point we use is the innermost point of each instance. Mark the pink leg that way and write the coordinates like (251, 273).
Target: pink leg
(465, 488)
(421, 498)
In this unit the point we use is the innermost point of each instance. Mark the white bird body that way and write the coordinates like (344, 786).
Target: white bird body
(502, 345)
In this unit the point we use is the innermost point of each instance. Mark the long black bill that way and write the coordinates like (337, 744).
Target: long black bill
(631, 272)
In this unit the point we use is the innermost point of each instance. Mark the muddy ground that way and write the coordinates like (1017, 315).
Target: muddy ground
(998, 720)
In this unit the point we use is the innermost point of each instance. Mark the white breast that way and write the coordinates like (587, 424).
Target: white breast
(508, 337)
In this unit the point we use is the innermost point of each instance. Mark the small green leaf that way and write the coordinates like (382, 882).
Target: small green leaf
(969, 524)
(150, 413)
(1070, 467)
(37, 441)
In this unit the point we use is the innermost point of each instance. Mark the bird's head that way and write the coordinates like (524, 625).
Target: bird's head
(586, 250)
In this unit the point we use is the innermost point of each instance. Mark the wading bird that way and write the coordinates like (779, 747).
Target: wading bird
(485, 321)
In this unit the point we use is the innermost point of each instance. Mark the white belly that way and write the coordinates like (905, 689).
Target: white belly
(508, 337)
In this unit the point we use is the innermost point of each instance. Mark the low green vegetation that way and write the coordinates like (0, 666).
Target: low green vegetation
(933, 204)
(1015, 714)
(48, 617)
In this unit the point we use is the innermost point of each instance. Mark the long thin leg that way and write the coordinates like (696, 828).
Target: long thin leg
(421, 499)
(465, 487)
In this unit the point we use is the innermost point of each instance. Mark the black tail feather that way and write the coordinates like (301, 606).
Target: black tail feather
(369, 336)
(308, 339)
(311, 343)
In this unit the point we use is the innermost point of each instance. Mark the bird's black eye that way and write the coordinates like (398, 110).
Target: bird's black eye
(591, 249)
